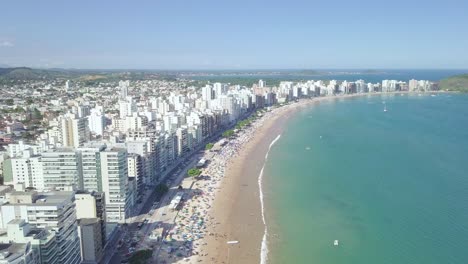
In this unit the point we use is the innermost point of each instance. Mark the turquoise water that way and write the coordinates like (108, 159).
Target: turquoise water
(391, 186)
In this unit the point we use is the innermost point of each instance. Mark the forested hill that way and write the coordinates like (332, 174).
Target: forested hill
(455, 83)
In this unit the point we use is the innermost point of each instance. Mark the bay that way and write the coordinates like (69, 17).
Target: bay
(391, 186)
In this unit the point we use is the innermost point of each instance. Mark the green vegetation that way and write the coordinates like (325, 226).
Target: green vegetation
(36, 114)
(160, 190)
(457, 83)
(140, 257)
(193, 172)
(88, 77)
(241, 124)
(209, 146)
(9, 102)
(228, 133)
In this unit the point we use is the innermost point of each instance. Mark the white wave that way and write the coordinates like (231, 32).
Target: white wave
(264, 246)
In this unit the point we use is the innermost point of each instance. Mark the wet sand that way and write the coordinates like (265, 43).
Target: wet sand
(237, 209)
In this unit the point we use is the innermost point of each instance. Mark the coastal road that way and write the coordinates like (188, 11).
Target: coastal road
(115, 255)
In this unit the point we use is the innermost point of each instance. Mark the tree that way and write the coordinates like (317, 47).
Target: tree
(36, 114)
(228, 133)
(209, 146)
(140, 257)
(160, 190)
(193, 172)
(9, 102)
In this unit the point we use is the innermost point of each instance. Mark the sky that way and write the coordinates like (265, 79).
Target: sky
(241, 34)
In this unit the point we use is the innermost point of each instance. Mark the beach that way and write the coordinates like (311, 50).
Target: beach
(236, 214)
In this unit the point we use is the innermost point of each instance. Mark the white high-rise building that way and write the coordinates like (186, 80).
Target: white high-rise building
(17, 149)
(52, 210)
(89, 167)
(96, 122)
(207, 93)
(261, 83)
(27, 170)
(127, 107)
(61, 169)
(124, 89)
(114, 184)
(23, 243)
(361, 86)
(135, 122)
(74, 131)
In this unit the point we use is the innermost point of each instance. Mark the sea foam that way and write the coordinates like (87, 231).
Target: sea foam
(264, 246)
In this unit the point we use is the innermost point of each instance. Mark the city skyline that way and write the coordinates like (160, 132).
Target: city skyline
(211, 35)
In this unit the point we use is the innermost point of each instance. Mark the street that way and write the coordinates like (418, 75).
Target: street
(138, 238)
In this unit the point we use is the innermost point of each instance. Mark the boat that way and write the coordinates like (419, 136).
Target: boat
(385, 108)
(336, 242)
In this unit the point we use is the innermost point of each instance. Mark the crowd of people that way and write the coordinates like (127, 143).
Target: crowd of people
(184, 240)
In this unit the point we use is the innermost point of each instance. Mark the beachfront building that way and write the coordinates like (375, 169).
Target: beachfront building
(118, 198)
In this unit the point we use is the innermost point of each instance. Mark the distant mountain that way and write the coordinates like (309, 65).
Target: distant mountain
(87, 76)
(455, 83)
(25, 73)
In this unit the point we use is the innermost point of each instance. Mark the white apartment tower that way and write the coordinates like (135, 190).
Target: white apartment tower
(96, 122)
(52, 210)
(261, 83)
(62, 169)
(74, 131)
(114, 184)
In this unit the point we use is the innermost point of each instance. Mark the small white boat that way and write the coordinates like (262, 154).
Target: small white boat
(385, 108)
(336, 242)
(233, 242)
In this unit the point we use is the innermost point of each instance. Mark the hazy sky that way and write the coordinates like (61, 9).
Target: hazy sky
(241, 34)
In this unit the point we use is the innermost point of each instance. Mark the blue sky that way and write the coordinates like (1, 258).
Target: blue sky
(198, 34)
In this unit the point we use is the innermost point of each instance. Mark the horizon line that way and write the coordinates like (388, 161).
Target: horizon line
(226, 69)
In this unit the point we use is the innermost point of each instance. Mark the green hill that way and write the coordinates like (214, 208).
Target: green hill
(455, 83)
(25, 73)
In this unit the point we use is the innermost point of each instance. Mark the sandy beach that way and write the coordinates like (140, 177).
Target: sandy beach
(236, 209)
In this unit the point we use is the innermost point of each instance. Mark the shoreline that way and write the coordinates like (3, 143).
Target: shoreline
(235, 211)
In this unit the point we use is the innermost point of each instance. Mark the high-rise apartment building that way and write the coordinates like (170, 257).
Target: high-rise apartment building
(52, 210)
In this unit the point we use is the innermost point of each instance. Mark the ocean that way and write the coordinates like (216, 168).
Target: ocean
(391, 186)
(344, 74)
